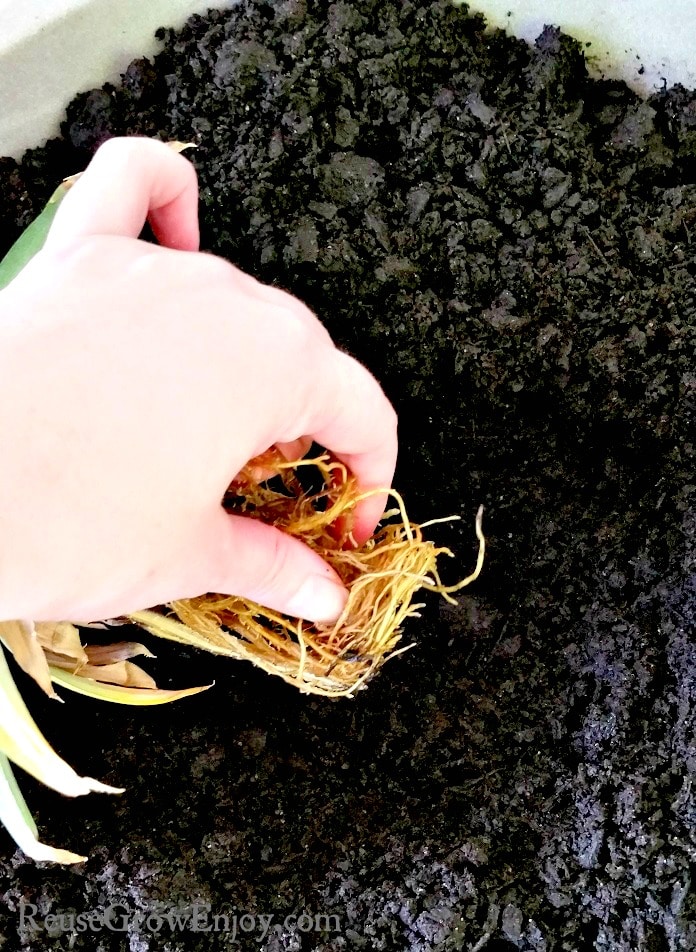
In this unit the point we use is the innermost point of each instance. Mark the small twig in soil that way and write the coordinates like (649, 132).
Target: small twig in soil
(481, 942)
(595, 245)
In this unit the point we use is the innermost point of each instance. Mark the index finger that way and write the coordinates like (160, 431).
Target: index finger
(128, 181)
(357, 423)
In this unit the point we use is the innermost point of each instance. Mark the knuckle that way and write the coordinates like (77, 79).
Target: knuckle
(79, 254)
(273, 581)
(112, 144)
(216, 269)
(298, 336)
(119, 151)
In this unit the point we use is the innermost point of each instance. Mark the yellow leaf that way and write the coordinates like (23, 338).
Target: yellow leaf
(141, 697)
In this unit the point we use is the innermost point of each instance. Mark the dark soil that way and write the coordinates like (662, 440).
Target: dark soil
(510, 247)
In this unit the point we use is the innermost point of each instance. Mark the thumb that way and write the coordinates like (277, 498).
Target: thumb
(128, 181)
(246, 557)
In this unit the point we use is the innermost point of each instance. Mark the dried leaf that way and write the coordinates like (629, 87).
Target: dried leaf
(164, 626)
(177, 146)
(121, 651)
(24, 744)
(120, 672)
(20, 637)
(61, 638)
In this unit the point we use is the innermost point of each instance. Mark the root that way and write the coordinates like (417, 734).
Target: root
(382, 577)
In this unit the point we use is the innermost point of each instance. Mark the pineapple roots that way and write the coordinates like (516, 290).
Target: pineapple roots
(382, 577)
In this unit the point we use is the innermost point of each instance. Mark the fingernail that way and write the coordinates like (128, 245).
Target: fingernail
(318, 599)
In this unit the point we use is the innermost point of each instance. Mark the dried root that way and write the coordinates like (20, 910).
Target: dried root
(382, 577)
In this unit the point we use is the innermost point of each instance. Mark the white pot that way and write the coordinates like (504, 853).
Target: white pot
(644, 42)
(52, 49)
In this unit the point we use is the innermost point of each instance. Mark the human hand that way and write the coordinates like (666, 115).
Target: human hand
(135, 382)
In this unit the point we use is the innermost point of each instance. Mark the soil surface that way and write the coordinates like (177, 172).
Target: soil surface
(510, 247)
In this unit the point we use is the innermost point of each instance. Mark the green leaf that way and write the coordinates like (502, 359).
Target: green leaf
(33, 237)
(20, 802)
(19, 823)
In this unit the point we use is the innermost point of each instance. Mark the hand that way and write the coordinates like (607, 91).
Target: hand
(135, 382)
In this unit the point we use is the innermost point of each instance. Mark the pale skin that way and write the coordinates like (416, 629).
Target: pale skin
(135, 382)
